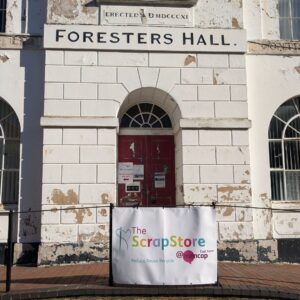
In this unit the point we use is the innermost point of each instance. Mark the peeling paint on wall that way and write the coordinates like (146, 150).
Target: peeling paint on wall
(54, 254)
(106, 198)
(232, 193)
(235, 23)
(72, 12)
(4, 58)
(59, 198)
(80, 213)
(297, 69)
(190, 59)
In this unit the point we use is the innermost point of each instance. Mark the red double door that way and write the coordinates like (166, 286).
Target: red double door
(152, 163)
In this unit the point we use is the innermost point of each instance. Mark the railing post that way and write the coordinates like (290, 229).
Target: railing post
(10, 251)
(111, 280)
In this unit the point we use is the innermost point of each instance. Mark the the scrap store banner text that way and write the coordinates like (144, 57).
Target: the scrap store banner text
(164, 246)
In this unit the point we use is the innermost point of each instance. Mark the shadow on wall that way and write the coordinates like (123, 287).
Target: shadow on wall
(33, 62)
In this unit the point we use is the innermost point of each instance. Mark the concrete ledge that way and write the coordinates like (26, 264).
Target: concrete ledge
(11, 41)
(81, 122)
(213, 123)
(170, 291)
(273, 47)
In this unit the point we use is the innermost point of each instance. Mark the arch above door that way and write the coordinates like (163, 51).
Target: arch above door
(146, 99)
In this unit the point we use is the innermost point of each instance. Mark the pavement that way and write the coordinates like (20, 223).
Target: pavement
(268, 281)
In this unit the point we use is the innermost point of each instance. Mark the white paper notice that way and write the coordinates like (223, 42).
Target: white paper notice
(125, 172)
(138, 172)
(159, 180)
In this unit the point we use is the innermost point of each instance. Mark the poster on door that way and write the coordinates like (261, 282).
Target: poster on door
(164, 246)
(125, 172)
(159, 180)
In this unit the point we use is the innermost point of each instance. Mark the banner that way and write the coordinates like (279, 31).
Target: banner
(164, 246)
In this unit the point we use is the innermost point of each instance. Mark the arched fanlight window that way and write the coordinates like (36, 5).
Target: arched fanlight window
(145, 115)
(9, 154)
(284, 150)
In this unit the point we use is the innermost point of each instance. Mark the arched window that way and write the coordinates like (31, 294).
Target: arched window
(9, 154)
(145, 115)
(284, 150)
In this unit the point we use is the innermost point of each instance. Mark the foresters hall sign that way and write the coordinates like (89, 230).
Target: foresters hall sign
(144, 38)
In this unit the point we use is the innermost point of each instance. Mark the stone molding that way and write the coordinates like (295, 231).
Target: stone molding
(274, 47)
(95, 122)
(215, 123)
(170, 3)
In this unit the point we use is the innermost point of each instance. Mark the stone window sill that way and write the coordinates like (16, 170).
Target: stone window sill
(277, 204)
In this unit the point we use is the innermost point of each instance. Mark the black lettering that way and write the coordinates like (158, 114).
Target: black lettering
(75, 38)
(201, 40)
(58, 35)
(100, 37)
(155, 37)
(212, 41)
(223, 41)
(186, 38)
(128, 35)
(151, 15)
(168, 39)
(87, 36)
(114, 38)
(141, 38)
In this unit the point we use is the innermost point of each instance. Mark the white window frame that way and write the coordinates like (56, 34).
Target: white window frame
(13, 194)
(283, 140)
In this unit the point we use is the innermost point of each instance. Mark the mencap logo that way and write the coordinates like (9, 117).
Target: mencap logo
(123, 237)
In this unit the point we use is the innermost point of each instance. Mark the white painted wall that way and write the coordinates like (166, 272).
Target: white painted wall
(261, 19)
(272, 80)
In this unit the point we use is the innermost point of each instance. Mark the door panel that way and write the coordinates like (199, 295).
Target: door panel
(156, 154)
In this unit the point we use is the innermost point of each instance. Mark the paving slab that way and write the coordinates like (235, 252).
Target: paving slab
(280, 281)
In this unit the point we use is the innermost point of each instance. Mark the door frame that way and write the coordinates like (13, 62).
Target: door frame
(144, 132)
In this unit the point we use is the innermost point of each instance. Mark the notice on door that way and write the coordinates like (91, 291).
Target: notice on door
(138, 172)
(125, 172)
(159, 180)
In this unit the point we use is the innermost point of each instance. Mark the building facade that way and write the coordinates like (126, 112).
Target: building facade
(156, 103)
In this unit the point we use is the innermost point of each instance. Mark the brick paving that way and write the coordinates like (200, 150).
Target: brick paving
(235, 279)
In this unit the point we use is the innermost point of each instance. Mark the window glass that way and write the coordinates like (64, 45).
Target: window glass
(276, 128)
(2, 15)
(286, 111)
(145, 115)
(10, 187)
(285, 29)
(275, 149)
(289, 19)
(295, 8)
(278, 192)
(292, 154)
(12, 154)
(284, 8)
(296, 29)
(293, 185)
